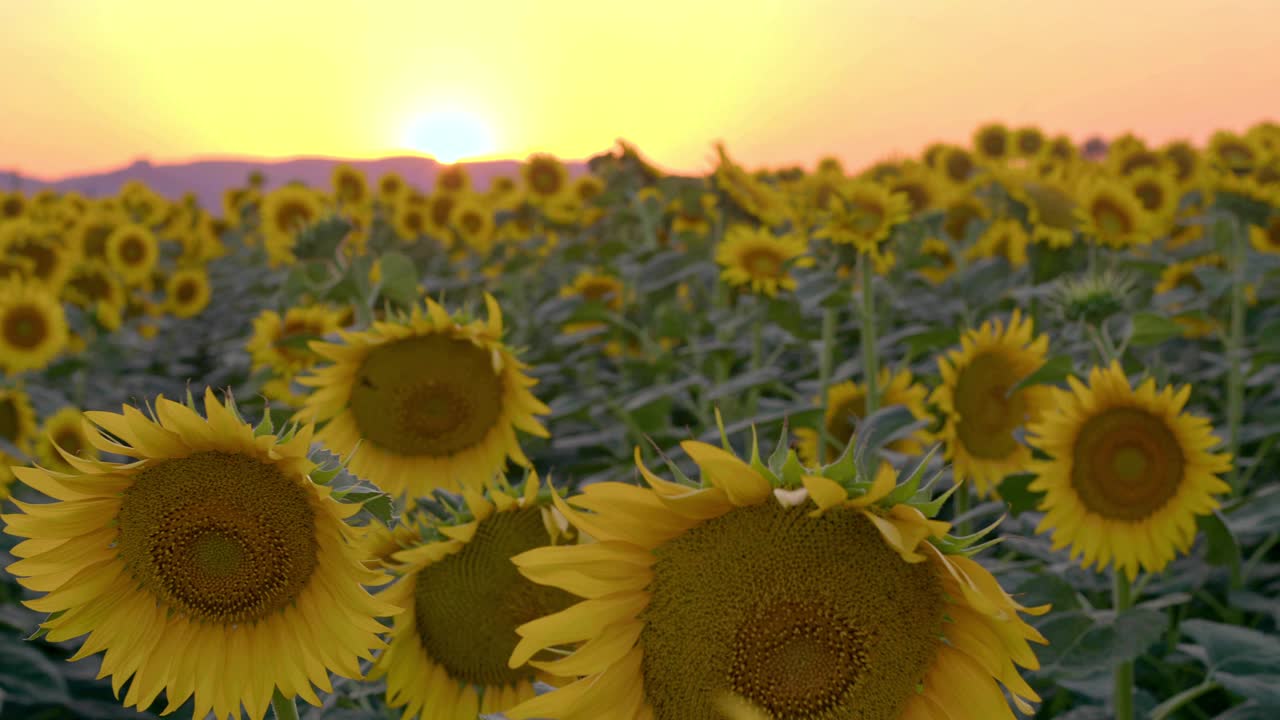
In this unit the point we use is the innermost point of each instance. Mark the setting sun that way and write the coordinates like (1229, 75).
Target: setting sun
(449, 135)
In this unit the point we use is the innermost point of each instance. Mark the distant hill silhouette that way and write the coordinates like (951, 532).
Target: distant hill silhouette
(208, 178)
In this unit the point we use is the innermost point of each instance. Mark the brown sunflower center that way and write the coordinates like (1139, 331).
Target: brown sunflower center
(69, 439)
(220, 537)
(918, 196)
(544, 178)
(1236, 156)
(605, 291)
(807, 618)
(1112, 219)
(994, 143)
(1272, 233)
(959, 166)
(43, 256)
(431, 395)
(10, 420)
(95, 239)
(1126, 464)
(1139, 160)
(187, 291)
(471, 223)
(468, 605)
(291, 216)
(12, 206)
(865, 217)
(762, 263)
(988, 414)
(93, 285)
(389, 186)
(1150, 194)
(1029, 143)
(25, 327)
(132, 250)
(414, 220)
(441, 209)
(350, 188)
(451, 180)
(960, 217)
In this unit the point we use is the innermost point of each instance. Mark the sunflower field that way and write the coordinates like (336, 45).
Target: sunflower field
(985, 433)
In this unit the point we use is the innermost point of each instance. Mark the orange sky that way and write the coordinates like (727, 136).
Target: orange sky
(94, 84)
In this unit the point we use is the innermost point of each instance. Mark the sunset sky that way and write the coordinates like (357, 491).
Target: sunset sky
(93, 84)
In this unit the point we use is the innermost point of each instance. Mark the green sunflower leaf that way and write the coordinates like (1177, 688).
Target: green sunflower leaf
(1055, 370)
(1152, 329)
(1223, 548)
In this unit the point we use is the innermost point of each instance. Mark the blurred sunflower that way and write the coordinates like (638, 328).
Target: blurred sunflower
(132, 251)
(1005, 238)
(1266, 238)
(826, 597)
(846, 406)
(694, 214)
(474, 223)
(15, 268)
(1028, 141)
(921, 186)
(753, 196)
(939, 262)
(409, 221)
(755, 258)
(956, 165)
(143, 205)
(1111, 214)
(63, 432)
(545, 177)
(237, 203)
(1182, 274)
(981, 416)
(93, 282)
(281, 343)
(430, 401)
(285, 212)
(863, 215)
(33, 326)
(503, 193)
(1126, 158)
(461, 600)
(1158, 192)
(596, 287)
(1232, 153)
(1128, 471)
(13, 205)
(40, 243)
(453, 179)
(350, 188)
(205, 568)
(1051, 208)
(963, 213)
(1184, 162)
(17, 419)
(187, 292)
(439, 209)
(992, 143)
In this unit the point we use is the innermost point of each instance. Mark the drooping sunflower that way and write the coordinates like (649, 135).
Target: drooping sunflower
(132, 251)
(545, 178)
(1129, 471)
(39, 243)
(187, 292)
(964, 212)
(63, 432)
(759, 261)
(992, 143)
(206, 568)
(805, 593)
(846, 405)
(17, 418)
(939, 263)
(594, 286)
(33, 326)
(981, 417)
(863, 215)
(280, 342)
(1111, 214)
(1005, 238)
(754, 196)
(461, 600)
(1182, 274)
(1233, 153)
(350, 188)
(1051, 207)
(431, 401)
(286, 211)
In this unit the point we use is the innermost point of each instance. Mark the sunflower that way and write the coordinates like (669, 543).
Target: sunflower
(17, 419)
(461, 600)
(921, 186)
(1050, 203)
(1111, 214)
(1128, 472)
(823, 595)
(439, 212)
(280, 343)
(12, 205)
(956, 165)
(39, 243)
(1233, 153)
(1266, 238)
(143, 205)
(1184, 162)
(992, 143)
(350, 188)
(694, 214)
(1182, 274)
(188, 292)
(980, 415)
(846, 405)
(755, 197)
(963, 213)
(132, 252)
(1005, 238)
(1126, 156)
(286, 211)
(473, 221)
(757, 259)
(33, 326)
(391, 188)
(863, 215)
(1159, 194)
(63, 432)
(940, 264)
(596, 287)
(238, 202)
(503, 193)
(545, 177)
(409, 221)
(1028, 141)
(431, 402)
(207, 567)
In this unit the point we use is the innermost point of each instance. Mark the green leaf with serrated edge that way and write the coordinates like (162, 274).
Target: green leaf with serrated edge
(1152, 329)
(875, 431)
(1223, 549)
(1054, 370)
(907, 489)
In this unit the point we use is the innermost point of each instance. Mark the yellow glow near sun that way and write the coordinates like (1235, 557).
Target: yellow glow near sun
(450, 134)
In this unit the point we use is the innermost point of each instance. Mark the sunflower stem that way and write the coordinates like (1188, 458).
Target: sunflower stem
(1235, 351)
(284, 707)
(757, 353)
(1122, 696)
(962, 509)
(825, 359)
(869, 360)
